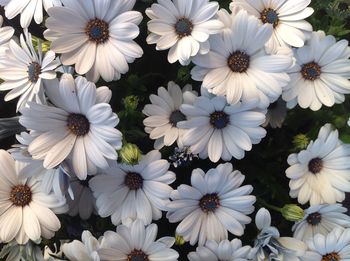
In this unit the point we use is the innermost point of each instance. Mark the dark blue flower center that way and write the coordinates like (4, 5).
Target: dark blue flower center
(209, 202)
(311, 71)
(183, 27)
(314, 219)
(34, 70)
(315, 165)
(78, 124)
(97, 30)
(133, 181)
(137, 255)
(176, 116)
(219, 119)
(238, 62)
(21, 195)
(270, 16)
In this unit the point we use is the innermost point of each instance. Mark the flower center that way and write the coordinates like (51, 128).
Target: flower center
(314, 218)
(133, 181)
(21, 195)
(137, 255)
(175, 117)
(183, 27)
(34, 69)
(219, 119)
(315, 165)
(270, 16)
(97, 30)
(331, 257)
(209, 202)
(78, 124)
(311, 71)
(238, 62)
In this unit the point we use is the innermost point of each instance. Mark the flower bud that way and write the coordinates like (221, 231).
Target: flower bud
(292, 212)
(130, 154)
(179, 240)
(300, 141)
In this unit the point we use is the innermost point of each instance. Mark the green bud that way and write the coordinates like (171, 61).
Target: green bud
(292, 212)
(179, 240)
(300, 141)
(131, 102)
(130, 154)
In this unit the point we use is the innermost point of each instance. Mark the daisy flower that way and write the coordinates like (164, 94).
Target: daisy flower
(83, 202)
(286, 16)
(270, 246)
(182, 26)
(86, 249)
(320, 173)
(214, 204)
(220, 130)
(237, 66)
(54, 180)
(96, 37)
(332, 247)
(26, 211)
(24, 69)
(276, 114)
(28, 9)
(223, 251)
(80, 127)
(164, 114)
(321, 219)
(134, 241)
(321, 74)
(134, 191)
(6, 32)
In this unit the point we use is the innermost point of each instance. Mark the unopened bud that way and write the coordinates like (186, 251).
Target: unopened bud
(292, 212)
(130, 154)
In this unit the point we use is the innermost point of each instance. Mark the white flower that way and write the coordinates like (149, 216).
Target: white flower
(164, 114)
(184, 26)
(276, 114)
(85, 250)
(95, 36)
(321, 74)
(83, 201)
(286, 17)
(28, 9)
(223, 251)
(52, 180)
(332, 247)
(23, 71)
(80, 127)
(134, 191)
(237, 66)
(320, 174)
(214, 204)
(321, 219)
(219, 130)
(6, 33)
(136, 242)
(270, 246)
(26, 211)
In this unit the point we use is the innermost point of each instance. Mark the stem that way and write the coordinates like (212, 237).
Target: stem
(269, 206)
